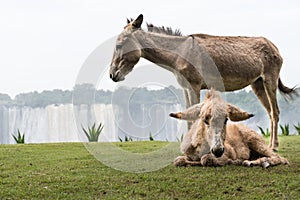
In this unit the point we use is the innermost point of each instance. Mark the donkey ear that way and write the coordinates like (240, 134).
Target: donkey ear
(176, 115)
(192, 113)
(237, 114)
(138, 21)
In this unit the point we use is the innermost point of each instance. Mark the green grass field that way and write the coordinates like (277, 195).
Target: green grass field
(68, 171)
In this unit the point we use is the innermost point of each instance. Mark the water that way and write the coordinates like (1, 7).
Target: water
(63, 123)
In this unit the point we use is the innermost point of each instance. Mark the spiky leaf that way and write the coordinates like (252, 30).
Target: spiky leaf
(93, 132)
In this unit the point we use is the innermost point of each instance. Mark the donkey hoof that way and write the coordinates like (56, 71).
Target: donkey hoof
(180, 162)
(274, 149)
(247, 163)
(265, 164)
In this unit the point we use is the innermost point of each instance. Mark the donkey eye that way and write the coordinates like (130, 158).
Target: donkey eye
(118, 46)
(206, 121)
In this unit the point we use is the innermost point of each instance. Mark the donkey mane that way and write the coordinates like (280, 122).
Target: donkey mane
(163, 30)
(214, 105)
(160, 29)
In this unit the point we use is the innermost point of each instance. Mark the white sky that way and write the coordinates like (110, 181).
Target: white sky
(43, 43)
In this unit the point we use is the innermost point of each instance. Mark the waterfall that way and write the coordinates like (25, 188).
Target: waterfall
(63, 123)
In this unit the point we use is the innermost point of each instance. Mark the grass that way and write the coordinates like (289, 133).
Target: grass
(68, 171)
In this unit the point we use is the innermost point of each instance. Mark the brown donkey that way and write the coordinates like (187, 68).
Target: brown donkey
(201, 61)
(213, 142)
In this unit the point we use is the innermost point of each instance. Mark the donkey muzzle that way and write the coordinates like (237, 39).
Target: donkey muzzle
(116, 77)
(218, 151)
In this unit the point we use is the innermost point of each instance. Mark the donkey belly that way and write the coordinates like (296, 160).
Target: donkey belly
(239, 71)
(237, 83)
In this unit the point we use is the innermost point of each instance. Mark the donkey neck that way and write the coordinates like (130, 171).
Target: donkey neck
(160, 49)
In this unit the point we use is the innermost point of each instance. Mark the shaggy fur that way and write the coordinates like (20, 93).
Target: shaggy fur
(240, 145)
(163, 30)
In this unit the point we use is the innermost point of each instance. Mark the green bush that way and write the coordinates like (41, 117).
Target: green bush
(20, 139)
(285, 129)
(92, 133)
(297, 128)
(264, 133)
(151, 137)
(126, 139)
(180, 139)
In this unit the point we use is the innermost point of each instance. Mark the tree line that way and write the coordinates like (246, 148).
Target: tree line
(88, 94)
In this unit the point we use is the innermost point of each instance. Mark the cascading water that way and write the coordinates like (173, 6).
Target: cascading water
(63, 123)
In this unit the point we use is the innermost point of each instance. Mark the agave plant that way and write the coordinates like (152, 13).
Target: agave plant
(120, 139)
(264, 133)
(179, 139)
(126, 139)
(93, 132)
(20, 139)
(151, 137)
(285, 129)
(297, 128)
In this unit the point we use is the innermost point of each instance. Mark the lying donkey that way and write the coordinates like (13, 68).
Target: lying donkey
(213, 142)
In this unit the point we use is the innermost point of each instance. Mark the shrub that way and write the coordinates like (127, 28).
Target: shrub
(180, 139)
(92, 133)
(297, 128)
(151, 137)
(19, 138)
(126, 139)
(264, 133)
(120, 139)
(285, 129)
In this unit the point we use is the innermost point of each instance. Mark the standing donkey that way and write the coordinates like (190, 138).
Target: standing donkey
(213, 142)
(201, 61)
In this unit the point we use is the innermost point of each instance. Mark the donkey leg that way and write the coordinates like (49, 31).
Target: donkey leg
(183, 161)
(211, 160)
(256, 144)
(187, 105)
(266, 162)
(270, 85)
(259, 91)
(187, 99)
(267, 156)
(277, 160)
(260, 161)
(194, 163)
(192, 97)
(180, 161)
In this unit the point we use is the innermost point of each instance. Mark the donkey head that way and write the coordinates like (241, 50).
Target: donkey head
(212, 115)
(127, 51)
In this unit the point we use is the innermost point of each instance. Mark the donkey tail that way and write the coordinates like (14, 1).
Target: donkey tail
(286, 92)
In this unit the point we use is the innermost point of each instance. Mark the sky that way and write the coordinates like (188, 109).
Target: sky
(44, 43)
